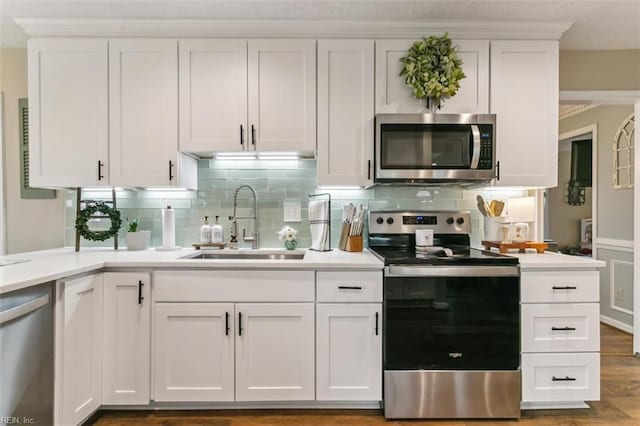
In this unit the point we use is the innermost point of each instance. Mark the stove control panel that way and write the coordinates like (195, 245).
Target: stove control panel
(406, 222)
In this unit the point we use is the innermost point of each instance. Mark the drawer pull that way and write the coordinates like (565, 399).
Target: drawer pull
(563, 379)
(563, 329)
(239, 323)
(226, 323)
(140, 296)
(566, 287)
(349, 287)
(377, 323)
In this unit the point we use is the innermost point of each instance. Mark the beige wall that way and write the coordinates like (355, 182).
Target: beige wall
(600, 69)
(564, 219)
(615, 206)
(31, 224)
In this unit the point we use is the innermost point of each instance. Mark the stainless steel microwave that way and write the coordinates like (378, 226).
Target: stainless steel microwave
(435, 149)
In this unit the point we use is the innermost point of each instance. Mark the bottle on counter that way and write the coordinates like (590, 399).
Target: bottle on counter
(205, 231)
(217, 234)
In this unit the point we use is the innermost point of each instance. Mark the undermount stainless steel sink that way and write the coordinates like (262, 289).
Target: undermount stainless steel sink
(248, 255)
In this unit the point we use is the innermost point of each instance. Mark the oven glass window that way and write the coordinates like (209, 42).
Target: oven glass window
(451, 323)
(425, 146)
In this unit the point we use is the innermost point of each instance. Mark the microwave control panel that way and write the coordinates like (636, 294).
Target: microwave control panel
(486, 147)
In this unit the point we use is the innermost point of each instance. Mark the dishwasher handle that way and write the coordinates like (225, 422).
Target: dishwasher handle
(24, 309)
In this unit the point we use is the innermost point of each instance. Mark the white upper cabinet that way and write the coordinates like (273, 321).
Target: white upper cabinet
(68, 112)
(143, 112)
(524, 97)
(393, 95)
(239, 95)
(213, 95)
(345, 112)
(282, 95)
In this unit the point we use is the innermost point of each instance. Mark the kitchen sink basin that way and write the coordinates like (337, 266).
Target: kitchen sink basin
(248, 255)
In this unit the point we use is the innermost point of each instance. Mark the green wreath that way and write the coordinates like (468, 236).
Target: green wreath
(432, 69)
(85, 214)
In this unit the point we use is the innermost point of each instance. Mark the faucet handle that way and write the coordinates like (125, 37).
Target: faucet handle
(244, 235)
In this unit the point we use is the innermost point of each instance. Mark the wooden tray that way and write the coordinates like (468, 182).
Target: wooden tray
(217, 245)
(503, 247)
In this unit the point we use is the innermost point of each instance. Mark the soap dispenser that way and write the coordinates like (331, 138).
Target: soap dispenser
(205, 231)
(217, 233)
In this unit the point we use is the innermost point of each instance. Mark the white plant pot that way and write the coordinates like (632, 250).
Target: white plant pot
(138, 240)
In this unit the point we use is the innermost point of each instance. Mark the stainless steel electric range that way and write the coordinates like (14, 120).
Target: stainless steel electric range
(451, 320)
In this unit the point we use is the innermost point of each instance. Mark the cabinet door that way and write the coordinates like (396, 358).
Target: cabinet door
(393, 95)
(282, 95)
(68, 112)
(193, 352)
(274, 352)
(349, 352)
(126, 338)
(143, 112)
(213, 95)
(524, 97)
(81, 349)
(345, 112)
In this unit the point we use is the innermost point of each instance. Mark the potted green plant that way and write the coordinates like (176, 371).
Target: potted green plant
(433, 70)
(136, 240)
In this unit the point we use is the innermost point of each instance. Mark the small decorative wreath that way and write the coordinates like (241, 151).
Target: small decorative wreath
(85, 215)
(432, 69)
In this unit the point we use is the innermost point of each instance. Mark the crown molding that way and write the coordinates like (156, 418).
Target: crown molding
(604, 97)
(39, 27)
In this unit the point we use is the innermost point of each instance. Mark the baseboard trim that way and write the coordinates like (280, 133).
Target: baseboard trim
(616, 324)
(337, 405)
(552, 405)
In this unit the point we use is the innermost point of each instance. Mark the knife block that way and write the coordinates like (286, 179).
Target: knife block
(354, 243)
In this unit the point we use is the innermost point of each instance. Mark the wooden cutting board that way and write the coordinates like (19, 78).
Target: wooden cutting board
(503, 247)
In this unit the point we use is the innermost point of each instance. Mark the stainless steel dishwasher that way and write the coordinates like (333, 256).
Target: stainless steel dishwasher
(26, 356)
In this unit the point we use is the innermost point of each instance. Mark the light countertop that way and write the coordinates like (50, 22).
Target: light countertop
(549, 260)
(49, 265)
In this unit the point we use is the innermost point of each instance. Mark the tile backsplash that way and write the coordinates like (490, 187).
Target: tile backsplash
(275, 182)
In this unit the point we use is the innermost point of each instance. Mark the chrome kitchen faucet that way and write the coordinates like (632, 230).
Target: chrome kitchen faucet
(234, 225)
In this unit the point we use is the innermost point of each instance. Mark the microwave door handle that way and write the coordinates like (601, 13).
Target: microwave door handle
(475, 157)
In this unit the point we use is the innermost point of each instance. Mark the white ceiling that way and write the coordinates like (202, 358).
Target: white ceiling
(598, 24)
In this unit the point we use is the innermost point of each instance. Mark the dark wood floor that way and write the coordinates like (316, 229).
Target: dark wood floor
(619, 404)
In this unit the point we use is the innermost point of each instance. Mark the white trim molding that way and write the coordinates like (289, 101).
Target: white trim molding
(612, 285)
(636, 234)
(615, 244)
(570, 110)
(472, 29)
(616, 324)
(604, 97)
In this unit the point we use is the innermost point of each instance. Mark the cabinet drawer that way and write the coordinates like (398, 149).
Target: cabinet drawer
(560, 286)
(561, 327)
(560, 377)
(338, 286)
(233, 286)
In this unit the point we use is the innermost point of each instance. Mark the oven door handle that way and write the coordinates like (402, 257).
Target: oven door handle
(452, 271)
(475, 157)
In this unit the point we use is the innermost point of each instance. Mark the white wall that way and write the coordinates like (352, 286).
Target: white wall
(31, 224)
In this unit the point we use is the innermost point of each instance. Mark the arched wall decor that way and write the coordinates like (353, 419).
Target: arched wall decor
(623, 155)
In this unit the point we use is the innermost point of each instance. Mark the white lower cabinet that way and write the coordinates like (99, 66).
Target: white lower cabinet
(126, 338)
(560, 338)
(274, 352)
(78, 349)
(230, 336)
(349, 351)
(193, 352)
